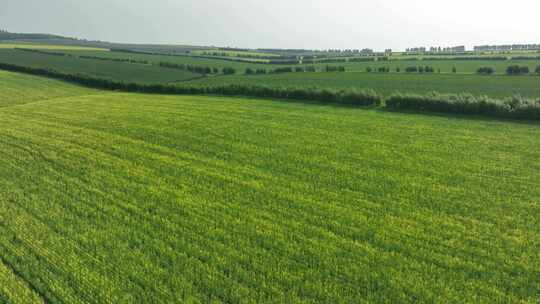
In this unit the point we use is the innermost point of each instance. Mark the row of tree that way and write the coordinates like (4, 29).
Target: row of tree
(50, 53)
(192, 68)
(511, 70)
(410, 69)
(125, 60)
(299, 69)
(517, 70)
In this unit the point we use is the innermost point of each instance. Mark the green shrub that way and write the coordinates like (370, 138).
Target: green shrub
(411, 69)
(485, 70)
(228, 71)
(517, 70)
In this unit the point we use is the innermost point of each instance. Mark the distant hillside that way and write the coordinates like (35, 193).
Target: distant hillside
(5, 35)
(61, 40)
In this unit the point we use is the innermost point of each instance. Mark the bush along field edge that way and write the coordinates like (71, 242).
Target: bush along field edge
(515, 107)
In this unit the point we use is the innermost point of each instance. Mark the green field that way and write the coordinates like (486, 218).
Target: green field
(140, 73)
(495, 86)
(114, 197)
(15, 90)
(183, 59)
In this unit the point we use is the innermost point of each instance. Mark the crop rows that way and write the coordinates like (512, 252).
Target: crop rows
(164, 198)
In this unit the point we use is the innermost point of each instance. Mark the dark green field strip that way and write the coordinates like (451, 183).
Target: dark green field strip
(140, 73)
(18, 89)
(155, 198)
(494, 86)
(156, 59)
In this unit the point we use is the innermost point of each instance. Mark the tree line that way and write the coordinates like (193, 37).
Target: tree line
(125, 60)
(510, 70)
(300, 69)
(409, 69)
(515, 107)
(50, 53)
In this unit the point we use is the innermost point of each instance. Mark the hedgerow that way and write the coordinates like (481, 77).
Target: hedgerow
(515, 107)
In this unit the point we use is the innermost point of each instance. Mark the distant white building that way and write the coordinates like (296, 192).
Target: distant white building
(507, 47)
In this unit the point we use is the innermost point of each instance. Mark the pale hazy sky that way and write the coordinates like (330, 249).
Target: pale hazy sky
(310, 24)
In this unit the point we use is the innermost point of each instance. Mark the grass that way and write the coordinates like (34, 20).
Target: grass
(494, 86)
(140, 73)
(118, 197)
(15, 89)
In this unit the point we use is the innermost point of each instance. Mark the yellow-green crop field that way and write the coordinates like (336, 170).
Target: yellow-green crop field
(110, 197)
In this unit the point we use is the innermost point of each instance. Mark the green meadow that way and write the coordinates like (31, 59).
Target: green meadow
(110, 197)
(126, 72)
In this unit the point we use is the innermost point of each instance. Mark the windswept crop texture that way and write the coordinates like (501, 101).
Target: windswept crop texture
(140, 73)
(117, 197)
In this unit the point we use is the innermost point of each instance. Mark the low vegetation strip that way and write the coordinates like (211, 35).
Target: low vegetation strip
(516, 107)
